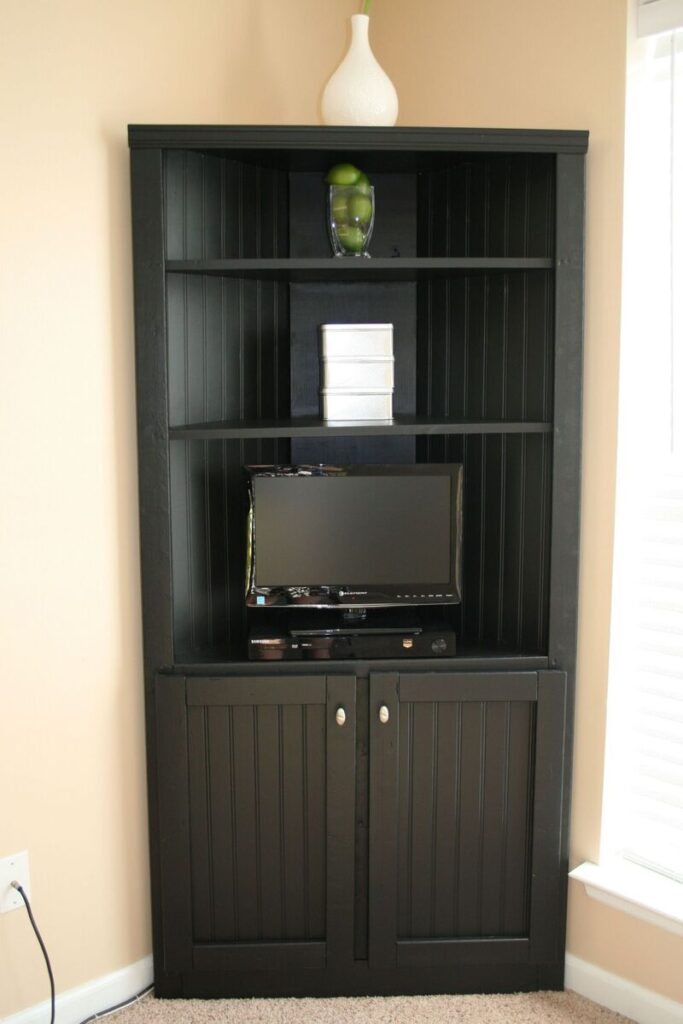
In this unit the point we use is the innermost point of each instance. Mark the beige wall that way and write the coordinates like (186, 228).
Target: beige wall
(72, 75)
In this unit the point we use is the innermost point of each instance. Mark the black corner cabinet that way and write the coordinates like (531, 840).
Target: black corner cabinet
(424, 850)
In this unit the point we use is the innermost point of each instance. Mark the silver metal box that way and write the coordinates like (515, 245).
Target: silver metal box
(360, 372)
(357, 371)
(356, 404)
(357, 340)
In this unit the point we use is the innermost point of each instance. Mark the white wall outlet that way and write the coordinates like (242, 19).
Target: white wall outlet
(14, 869)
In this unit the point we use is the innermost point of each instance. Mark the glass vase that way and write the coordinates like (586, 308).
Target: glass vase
(350, 218)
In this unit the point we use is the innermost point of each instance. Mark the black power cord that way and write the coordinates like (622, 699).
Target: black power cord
(15, 885)
(94, 1016)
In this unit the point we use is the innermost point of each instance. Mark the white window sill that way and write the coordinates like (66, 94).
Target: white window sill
(635, 890)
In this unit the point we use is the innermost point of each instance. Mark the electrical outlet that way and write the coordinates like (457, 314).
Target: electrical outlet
(14, 869)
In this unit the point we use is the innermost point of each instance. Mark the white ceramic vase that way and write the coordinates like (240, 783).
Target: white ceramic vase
(359, 91)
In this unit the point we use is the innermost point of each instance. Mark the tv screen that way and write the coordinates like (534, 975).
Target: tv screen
(331, 536)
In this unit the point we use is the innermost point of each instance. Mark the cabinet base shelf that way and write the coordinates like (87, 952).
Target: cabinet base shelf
(467, 660)
(358, 980)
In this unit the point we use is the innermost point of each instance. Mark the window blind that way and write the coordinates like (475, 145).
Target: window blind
(646, 660)
(653, 828)
(655, 16)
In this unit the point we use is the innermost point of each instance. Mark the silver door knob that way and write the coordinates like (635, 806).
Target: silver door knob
(384, 714)
(340, 716)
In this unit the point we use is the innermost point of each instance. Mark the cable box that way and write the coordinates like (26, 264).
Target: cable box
(329, 640)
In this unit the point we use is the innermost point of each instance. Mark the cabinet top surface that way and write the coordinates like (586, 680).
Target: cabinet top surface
(294, 137)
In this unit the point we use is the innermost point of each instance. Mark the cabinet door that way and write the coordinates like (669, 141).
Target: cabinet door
(256, 816)
(465, 818)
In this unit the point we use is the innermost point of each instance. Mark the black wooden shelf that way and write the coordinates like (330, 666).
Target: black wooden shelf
(418, 145)
(405, 426)
(329, 268)
(469, 659)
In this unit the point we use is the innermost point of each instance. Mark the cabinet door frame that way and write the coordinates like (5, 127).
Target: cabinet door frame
(544, 943)
(173, 695)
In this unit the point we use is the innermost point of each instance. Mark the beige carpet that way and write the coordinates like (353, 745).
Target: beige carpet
(531, 1008)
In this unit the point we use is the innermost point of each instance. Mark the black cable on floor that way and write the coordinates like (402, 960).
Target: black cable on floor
(32, 919)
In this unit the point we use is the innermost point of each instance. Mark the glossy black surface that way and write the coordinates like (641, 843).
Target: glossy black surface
(354, 536)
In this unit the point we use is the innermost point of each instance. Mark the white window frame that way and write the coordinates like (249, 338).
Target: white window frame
(635, 887)
(655, 16)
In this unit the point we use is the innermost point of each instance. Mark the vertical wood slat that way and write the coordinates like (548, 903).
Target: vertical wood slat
(174, 952)
(541, 192)
(340, 820)
(231, 210)
(469, 888)
(493, 532)
(217, 554)
(516, 881)
(404, 820)
(270, 823)
(180, 545)
(315, 759)
(446, 814)
(293, 821)
(246, 820)
(506, 812)
(382, 915)
(201, 838)
(222, 798)
(518, 212)
(493, 820)
(193, 204)
(421, 823)
(533, 627)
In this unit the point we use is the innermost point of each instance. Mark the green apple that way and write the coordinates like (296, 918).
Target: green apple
(339, 207)
(360, 208)
(342, 174)
(350, 237)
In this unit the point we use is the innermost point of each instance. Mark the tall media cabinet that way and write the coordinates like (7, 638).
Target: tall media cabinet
(428, 852)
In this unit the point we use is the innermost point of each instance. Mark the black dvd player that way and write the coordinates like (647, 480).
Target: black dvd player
(327, 640)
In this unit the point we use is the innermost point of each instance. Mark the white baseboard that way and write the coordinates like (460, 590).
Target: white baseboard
(78, 1003)
(620, 995)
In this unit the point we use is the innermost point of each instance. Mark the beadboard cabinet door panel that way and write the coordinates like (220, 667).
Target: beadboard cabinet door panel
(465, 770)
(256, 810)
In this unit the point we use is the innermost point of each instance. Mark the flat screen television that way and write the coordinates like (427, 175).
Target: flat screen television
(354, 536)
